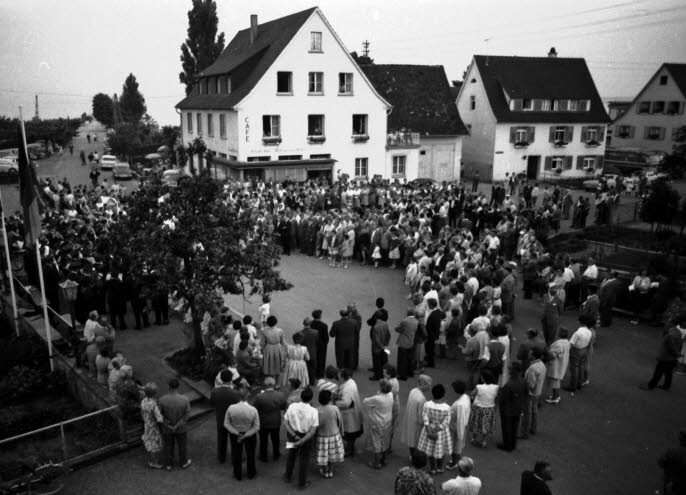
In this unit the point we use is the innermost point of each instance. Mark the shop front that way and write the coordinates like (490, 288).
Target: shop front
(274, 170)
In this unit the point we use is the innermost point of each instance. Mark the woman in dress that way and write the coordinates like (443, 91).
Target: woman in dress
(273, 349)
(380, 409)
(414, 480)
(329, 441)
(102, 362)
(394, 253)
(351, 410)
(347, 250)
(152, 418)
(482, 418)
(435, 440)
(296, 367)
(390, 375)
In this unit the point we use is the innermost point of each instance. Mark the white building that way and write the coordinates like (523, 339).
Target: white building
(538, 116)
(652, 120)
(285, 100)
(424, 128)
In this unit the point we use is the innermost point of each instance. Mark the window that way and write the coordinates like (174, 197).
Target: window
(189, 122)
(198, 120)
(359, 125)
(572, 105)
(271, 126)
(658, 107)
(361, 167)
(284, 83)
(654, 132)
(561, 105)
(399, 165)
(315, 41)
(345, 83)
(316, 83)
(219, 85)
(210, 125)
(200, 86)
(584, 105)
(546, 105)
(527, 104)
(559, 134)
(315, 125)
(472, 102)
(233, 157)
(228, 84)
(259, 158)
(222, 155)
(644, 107)
(522, 136)
(673, 107)
(663, 80)
(591, 134)
(222, 126)
(322, 156)
(290, 157)
(625, 131)
(589, 162)
(558, 162)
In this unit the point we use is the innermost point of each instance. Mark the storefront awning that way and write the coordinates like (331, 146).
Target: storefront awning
(323, 163)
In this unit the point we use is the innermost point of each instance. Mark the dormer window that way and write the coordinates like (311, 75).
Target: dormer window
(572, 105)
(316, 41)
(663, 80)
(200, 87)
(219, 85)
(527, 104)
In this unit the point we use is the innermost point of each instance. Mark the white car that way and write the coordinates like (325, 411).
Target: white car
(122, 171)
(107, 162)
(8, 167)
(653, 175)
(173, 176)
(594, 184)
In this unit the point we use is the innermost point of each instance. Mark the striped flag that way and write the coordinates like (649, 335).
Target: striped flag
(28, 192)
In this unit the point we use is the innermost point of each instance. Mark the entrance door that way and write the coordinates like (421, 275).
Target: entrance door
(532, 165)
(253, 174)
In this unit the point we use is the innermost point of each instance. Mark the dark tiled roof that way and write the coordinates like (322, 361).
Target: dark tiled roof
(539, 77)
(247, 63)
(678, 72)
(455, 89)
(421, 98)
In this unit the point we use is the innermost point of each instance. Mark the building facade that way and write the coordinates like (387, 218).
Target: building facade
(537, 116)
(653, 118)
(286, 101)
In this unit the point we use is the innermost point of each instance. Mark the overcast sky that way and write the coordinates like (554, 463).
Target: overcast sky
(68, 50)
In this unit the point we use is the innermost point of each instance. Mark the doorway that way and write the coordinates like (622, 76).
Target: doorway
(532, 164)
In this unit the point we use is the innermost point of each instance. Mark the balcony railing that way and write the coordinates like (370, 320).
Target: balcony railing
(402, 139)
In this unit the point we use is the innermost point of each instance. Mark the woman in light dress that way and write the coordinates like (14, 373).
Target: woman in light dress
(152, 419)
(435, 440)
(329, 443)
(273, 346)
(296, 367)
(482, 418)
(351, 409)
(380, 416)
(390, 375)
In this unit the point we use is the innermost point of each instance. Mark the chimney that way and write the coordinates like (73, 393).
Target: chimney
(253, 28)
(552, 53)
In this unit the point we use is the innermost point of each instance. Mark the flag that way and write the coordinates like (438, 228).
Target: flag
(28, 192)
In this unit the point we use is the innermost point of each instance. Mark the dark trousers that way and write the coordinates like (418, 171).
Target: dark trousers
(237, 455)
(430, 352)
(509, 309)
(510, 425)
(222, 441)
(265, 435)
(530, 416)
(140, 313)
(117, 313)
(528, 289)
(379, 360)
(577, 365)
(161, 312)
(356, 351)
(180, 439)
(605, 315)
(312, 368)
(662, 368)
(302, 453)
(344, 358)
(404, 362)
(321, 360)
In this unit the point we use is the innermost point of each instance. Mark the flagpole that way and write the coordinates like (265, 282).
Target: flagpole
(9, 269)
(48, 330)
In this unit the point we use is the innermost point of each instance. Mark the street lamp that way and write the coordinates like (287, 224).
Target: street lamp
(70, 290)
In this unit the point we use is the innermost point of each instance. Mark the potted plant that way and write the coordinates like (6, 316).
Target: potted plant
(592, 143)
(558, 170)
(360, 138)
(316, 139)
(521, 144)
(269, 140)
(560, 143)
(589, 170)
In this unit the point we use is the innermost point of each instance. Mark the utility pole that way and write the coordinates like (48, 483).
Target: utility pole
(365, 51)
(36, 117)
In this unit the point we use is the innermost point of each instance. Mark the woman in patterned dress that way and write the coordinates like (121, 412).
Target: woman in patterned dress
(330, 382)
(414, 480)
(390, 375)
(296, 367)
(273, 349)
(380, 407)
(482, 418)
(152, 418)
(435, 440)
(329, 441)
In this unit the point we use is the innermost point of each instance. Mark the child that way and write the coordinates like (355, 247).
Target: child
(376, 255)
(264, 309)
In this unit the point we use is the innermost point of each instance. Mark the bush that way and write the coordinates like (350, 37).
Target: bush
(187, 363)
(22, 382)
(27, 350)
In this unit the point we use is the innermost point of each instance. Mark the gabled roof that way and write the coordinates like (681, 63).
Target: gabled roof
(539, 77)
(678, 72)
(247, 62)
(421, 98)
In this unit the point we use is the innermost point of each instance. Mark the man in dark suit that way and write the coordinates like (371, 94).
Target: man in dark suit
(511, 399)
(283, 227)
(507, 292)
(221, 398)
(607, 296)
(534, 482)
(269, 405)
(343, 331)
(406, 332)
(433, 328)
(323, 331)
(357, 318)
(380, 337)
(310, 339)
(550, 319)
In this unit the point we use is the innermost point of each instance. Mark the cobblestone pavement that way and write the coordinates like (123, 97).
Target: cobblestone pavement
(595, 440)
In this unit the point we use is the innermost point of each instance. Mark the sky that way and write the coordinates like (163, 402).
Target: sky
(66, 51)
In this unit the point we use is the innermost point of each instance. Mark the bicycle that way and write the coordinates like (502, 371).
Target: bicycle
(43, 479)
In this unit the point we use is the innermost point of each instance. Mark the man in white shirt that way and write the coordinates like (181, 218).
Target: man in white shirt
(580, 344)
(465, 483)
(459, 418)
(301, 421)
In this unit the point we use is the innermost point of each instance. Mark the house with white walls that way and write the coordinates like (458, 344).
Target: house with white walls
(655, 115)
(425, 131)
(537, 116)
(286, 101)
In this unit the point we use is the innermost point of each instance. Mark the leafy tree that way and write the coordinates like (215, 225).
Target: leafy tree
(170, 135)
(131, 102)
(198, 244)
(103, 110)
(661, 204)
(125, 140)
(675, 163)
(202, 46)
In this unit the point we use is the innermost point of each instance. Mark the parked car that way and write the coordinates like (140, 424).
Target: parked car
(594, 184)
(8, 167)
(174, 176)
(122, 171)
(107, 162)
(653, 175)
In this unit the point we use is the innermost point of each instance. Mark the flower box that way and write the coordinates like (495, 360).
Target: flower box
(592, 143)
(623, 135)
(271, 140)
(589, 170)
(360, 138)
(521, 144)
(558, 170)
(316, 139)
(560, 144)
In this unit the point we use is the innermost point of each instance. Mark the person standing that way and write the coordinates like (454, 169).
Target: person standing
(152, 418)
(330, 448)
(343, 331)
(668, 355)
(607, 298)
(380, 337)
(580, 345)
(464, 483)
(323, 342)
(301, 421)
(273, 349)
(414, 480)
(269, 404)
(435, 440)
(475, 182)
(550, 319)
(433, 329)
(511, 399)
(534, 377)
(380, 409)
(507, 295)
(534, 482)
(482, 417)
(351, 410)
(459, 419)
(243, 422)
(310, 339)
(406, 331)
(412, 423)
(221, 398)
(673, 465)
(557, 365)
(175, 409)
(82, 156)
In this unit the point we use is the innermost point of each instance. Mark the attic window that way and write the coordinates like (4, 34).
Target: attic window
(473, 80)
(663, 80)
(527, 104)
(316, 41)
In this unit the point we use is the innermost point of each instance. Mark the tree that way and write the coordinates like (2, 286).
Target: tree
(125, 140)
(202, 46)
(661, 204)
(197, 243)
(103, 109)
(131, 102)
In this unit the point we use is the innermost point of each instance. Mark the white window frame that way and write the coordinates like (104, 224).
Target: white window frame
(399, 165)
(189, 122)
(521, 135)
(274, 125)
(585, 105)
(591, 134)
(641, 103)
(345, 83)
(316, 42)
(545, 106)
(365, 120)
(323, 120)
(219, 85)
(472, 102)
(290, 83)
(210, 125)
(222, 125)
(361, 165)
(314, 80)
(562, 130)
(528, 108)
(573, 105)
(557, 162)
(589, 162)
(198, 123)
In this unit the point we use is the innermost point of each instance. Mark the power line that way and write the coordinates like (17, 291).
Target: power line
(71, 95)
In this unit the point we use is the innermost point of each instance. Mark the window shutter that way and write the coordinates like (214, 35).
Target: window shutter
(599, 161)
(681, 108)
(551, 137)
(513, 134)
(569, 135)
(584, 130)
(517, 105)
(548, 163)
(632, 130)
(601, 133)
(266, 125)
(568, 162)
(646, 131)
(579, 162)
(662, 133)
(531, 133)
